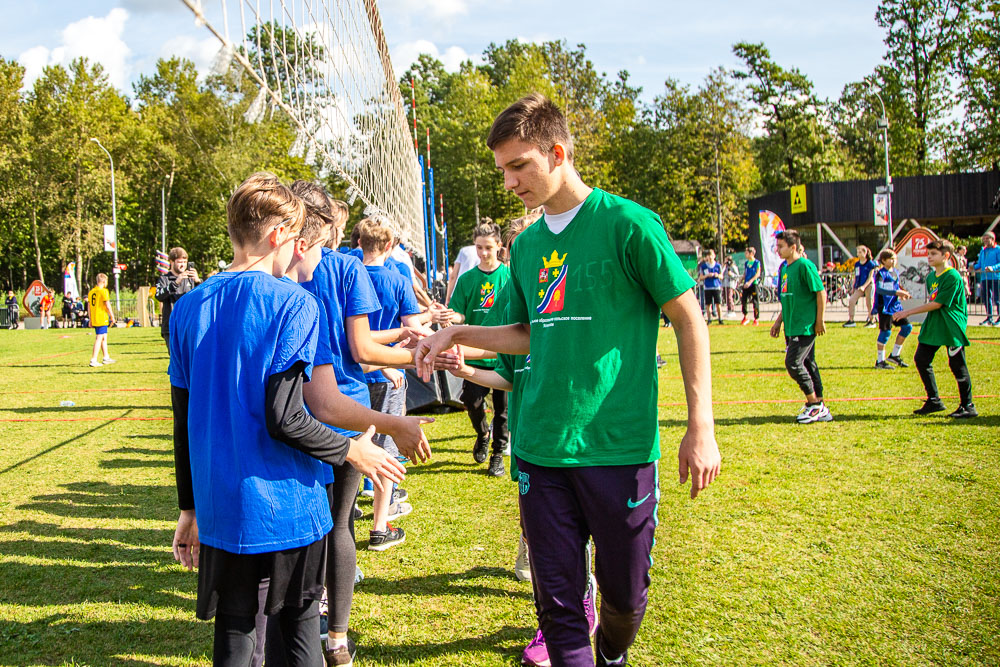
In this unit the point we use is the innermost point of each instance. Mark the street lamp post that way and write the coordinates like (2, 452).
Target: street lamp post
(114, 222)
(883, 124)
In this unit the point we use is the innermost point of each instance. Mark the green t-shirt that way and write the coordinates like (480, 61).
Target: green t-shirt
(475, 295)
(800, 282)
(946, 325)
(592, 295)
(512, 367)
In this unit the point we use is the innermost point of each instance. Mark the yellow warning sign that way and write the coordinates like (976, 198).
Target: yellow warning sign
(798, 199)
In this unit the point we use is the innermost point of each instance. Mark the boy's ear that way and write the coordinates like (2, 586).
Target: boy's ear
(559, 153)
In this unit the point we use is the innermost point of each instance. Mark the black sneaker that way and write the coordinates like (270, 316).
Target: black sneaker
(380, 540)
(965, 412)
(896, 360)
(342, 656)
(481, 450)
(496, 466)
(884, 365)
(930, 407)
(603, 661)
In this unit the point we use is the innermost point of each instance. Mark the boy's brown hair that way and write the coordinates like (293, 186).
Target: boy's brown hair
(177, 253)
(885, 254)
(373, 236)
(319, 212)
(260, 204)
(487, 229)
(534, 119)
(750, 249)
(942, 246)
(790, 237)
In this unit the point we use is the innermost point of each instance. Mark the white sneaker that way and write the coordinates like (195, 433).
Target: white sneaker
(94, 363)
(522, 566)
(815, 413)
(108, 360)
(398, 510)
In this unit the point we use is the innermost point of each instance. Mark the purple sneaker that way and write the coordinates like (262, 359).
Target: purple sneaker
(590, 605)
(536, 654)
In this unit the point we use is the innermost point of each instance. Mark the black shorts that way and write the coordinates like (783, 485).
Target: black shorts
(885, 322)
(713, 296)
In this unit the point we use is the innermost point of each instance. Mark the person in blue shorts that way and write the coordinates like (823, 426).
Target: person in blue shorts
(709, 273)
(247, 453)
(864, 273)
(888, 301)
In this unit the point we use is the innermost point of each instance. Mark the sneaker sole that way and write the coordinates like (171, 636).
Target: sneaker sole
(538, 663)
(924, 413)
(400, 515)
(387, 545)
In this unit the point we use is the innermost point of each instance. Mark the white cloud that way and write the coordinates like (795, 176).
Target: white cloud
(405, 54)
(199, 51)
(98, 39)
(434, 9)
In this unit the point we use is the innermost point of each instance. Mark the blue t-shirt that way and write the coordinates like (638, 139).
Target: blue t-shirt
(396, 296)
(861, 272)
(711, 283)
(989, 258)
(886, 286)
(749, 271)
(401, 267)
(252, 494)
(343, 289)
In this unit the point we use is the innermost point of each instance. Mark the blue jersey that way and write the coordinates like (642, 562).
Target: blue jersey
(396, 297)
(989, 258)
(750, 269)
(886, 286)
(344, 289)
(711, 283)
(862, 271)
(228, 336)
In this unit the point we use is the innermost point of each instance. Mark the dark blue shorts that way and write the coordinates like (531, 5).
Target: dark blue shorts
(101, 330)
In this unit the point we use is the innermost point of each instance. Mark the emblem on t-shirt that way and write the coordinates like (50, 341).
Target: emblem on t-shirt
(784, 283)
(552, 297)
(934, 291)
(487, 291)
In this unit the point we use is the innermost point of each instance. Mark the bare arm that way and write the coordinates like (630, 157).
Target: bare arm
(365, 350)
(698, 454)
(330, 406)
(509, 339)
(820, 312)
(926, 308)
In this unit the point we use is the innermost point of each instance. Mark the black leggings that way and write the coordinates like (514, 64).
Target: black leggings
(800, 362)
(923, 358)
(751, 292)
(342, 556)
(474, 399)
(236, 641)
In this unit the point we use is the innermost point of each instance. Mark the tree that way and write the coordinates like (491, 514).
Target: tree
(978, 65)
(923, 41)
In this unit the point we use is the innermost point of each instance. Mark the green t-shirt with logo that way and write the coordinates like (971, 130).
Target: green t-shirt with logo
(512, 367)
(475, 295)
(799, 284)
(945, 325)
(592, 295)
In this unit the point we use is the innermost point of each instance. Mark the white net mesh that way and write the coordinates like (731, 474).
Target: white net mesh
(325, 63)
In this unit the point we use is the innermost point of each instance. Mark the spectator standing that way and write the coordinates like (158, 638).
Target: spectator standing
(13, 310)
(710, 274)
(864, 273)
(963, 267)
(988, 270)
(467, 258)
(730, 278)
(174, 284)
(45, 308)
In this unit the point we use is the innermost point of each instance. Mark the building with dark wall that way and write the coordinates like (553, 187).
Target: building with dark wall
(840, 215)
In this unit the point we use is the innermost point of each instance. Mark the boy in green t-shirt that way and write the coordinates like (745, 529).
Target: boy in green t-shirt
(471, 303)
(803, 303)
(587, 283)
(944, 326)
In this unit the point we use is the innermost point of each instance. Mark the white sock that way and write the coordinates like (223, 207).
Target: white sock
(896, 349)
(881, 355)
(333, 643)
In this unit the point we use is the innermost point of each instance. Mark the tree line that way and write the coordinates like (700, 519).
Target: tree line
(694, 154)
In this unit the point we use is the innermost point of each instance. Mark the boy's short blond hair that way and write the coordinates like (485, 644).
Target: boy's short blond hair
(101, 278)
(260, 204)
(373, 236)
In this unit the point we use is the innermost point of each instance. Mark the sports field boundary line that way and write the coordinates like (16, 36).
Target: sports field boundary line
(8, 364)
(80, 391)
(89, 419)
(766, 401)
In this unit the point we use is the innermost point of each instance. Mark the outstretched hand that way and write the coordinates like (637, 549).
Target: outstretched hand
(411, 439)
(372, 461)
(427, 350)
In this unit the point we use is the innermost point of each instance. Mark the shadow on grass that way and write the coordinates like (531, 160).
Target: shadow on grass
(61, 638)
(99, 500)
(150, 452)
(115, 464)
(443, 466)
(62, 444)
(76, 409)
(446, 583)
(152, 436)
(416, 654)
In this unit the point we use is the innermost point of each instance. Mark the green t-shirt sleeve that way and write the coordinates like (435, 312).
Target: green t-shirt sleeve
(948, 286)
(498, 312)
(505, 367)
(459, 297)
(651, 261)
(811, 278)
(517, 309)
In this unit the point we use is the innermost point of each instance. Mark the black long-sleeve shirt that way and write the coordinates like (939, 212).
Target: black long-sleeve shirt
(287, 421)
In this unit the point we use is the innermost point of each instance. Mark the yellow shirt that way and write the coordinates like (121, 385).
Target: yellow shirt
(99, 316)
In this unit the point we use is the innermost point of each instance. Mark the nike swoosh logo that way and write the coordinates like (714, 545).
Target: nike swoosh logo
(632, 504)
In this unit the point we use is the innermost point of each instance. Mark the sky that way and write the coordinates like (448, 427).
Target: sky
(833, 43)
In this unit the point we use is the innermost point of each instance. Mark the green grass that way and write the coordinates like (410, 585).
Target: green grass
(874, 539)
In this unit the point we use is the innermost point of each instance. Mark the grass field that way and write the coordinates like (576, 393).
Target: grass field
(874, 539)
